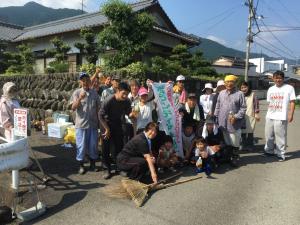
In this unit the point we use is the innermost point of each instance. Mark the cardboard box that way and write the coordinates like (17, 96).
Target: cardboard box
(58, 130)
(63, 118)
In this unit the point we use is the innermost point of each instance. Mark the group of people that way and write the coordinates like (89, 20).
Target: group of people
(215, 127)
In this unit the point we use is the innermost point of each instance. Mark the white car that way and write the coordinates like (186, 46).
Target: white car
(298, 97)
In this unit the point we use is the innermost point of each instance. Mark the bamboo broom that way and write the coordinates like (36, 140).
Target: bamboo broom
(138, 192)
(119, 190)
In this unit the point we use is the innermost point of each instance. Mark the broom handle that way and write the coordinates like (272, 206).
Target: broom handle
(170, 178)
(164, 180)
(162, 186)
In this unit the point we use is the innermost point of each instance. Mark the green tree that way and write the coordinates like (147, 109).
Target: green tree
(60, 53)
(89, 48)
(181, 61)
(181, 55)
(21, 61)
(126, 33)
(200, 66)
(60, 50)
(3, 58)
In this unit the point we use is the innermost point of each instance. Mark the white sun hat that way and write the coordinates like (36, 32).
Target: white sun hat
(180, 78)
(220, 83)
(208, 86)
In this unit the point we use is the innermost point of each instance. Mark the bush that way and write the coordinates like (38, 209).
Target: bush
(59, 67)
(136, 71)
(89, 68)
(50, 70)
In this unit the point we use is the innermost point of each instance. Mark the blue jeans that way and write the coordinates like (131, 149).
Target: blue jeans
(86, 143)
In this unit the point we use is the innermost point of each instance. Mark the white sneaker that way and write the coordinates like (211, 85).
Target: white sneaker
(160, 170)
(173, 169)
(281, 158)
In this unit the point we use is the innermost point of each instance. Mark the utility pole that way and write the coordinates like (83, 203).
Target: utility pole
(82, 6)
(249, 37)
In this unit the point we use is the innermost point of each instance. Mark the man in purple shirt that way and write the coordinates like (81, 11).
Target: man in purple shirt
(230, 111)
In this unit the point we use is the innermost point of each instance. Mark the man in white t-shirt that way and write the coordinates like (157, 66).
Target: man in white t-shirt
(281, 98)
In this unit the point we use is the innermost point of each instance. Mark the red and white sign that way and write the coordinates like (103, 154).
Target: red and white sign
(20, 122)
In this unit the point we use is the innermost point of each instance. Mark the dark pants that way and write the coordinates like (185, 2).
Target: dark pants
(210, 161)
(136, 167)
(247, 139)
(157, 142)
(117, 140)
(226, 154)
(127, 131)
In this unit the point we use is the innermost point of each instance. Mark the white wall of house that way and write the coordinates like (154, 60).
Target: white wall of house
(39, 66)
(262, 65)
(259, 62)
(236, 71)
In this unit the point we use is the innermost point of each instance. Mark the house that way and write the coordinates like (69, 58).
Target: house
(163, 37)
(233, 65)
(263, 65)
(236, 66)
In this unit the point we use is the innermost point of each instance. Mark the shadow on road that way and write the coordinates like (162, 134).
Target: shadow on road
(67, 200)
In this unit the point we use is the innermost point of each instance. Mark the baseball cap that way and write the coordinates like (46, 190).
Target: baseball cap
(82, 75)
(191, 95)
(142, 91)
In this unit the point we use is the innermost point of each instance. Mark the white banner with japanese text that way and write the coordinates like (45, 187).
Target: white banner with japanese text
(168, 114)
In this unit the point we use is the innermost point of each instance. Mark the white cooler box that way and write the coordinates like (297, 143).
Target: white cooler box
(58, 130)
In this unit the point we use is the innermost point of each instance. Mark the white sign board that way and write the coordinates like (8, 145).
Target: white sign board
(20, 122)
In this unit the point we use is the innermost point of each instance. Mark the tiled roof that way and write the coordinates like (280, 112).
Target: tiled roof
(180, 36)
(73, 23)
(9, 31)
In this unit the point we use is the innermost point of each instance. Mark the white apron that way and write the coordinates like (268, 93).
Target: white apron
(250, 115)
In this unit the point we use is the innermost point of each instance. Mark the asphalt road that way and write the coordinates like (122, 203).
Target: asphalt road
(261, 191)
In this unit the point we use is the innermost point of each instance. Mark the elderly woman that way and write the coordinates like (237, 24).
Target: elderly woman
(180, 93)
(206, 100)
(8, 103)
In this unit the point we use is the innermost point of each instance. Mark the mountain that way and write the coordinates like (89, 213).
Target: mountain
(33, 13)
(212, 50)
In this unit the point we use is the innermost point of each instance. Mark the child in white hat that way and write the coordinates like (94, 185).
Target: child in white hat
(206, 100)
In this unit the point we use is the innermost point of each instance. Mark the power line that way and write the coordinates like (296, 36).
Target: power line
(283, 29)
(273, 11)
(290, 13)
(275, 47)
(276, 38)
(220, 21)
(215, 17)
(269, 50)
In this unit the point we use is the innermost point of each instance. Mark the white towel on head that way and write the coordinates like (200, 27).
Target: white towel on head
(196, 115)
(205, 133)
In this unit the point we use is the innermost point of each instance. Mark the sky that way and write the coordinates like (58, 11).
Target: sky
(224, 21)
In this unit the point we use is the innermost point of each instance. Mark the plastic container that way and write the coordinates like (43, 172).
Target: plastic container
(58, 130)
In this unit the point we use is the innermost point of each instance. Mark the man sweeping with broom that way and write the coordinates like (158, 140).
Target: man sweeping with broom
(136, 157)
